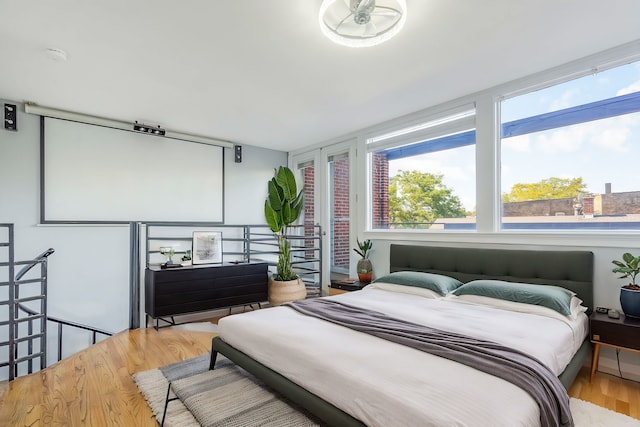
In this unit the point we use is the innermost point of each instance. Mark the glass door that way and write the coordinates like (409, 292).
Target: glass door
(329, 208)
(307, 248)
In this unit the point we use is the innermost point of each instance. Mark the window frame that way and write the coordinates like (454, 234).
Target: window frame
(488, 147)
(452, 121)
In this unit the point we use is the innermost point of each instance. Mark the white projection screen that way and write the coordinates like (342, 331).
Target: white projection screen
(98, 174)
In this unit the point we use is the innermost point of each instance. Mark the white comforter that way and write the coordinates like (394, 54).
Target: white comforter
(387, 384)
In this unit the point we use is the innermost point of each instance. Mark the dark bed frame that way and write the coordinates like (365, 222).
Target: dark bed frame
(570, 269)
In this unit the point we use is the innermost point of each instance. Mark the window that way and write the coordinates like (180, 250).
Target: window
(569, 154)
(423, 176)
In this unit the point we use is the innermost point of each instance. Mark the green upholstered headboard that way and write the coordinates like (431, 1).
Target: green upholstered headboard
(570, 269)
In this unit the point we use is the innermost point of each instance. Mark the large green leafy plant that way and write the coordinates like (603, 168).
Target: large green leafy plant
(281, 209)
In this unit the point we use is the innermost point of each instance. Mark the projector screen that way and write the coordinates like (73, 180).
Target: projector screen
(97, 174)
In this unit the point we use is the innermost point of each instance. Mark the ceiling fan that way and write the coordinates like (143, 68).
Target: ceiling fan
(359, 23)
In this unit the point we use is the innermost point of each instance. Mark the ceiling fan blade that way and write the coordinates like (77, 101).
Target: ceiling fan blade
(382, 10)
(370, 30)
(384, 13)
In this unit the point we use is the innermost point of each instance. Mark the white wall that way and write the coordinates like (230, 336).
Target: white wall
(89, 272)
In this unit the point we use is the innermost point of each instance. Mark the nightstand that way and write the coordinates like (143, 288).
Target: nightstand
(341, 286)
(622, 333)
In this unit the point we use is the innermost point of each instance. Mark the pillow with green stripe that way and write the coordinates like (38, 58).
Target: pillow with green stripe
(435, 282)
(553, 297)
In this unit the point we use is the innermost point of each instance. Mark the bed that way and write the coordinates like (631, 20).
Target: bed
(346, 377)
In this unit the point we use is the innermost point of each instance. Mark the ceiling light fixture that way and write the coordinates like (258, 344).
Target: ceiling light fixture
(361, 23)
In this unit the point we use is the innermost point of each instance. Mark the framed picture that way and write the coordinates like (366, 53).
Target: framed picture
(207, 247)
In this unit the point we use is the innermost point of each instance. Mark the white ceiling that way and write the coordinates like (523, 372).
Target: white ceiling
(260, 72)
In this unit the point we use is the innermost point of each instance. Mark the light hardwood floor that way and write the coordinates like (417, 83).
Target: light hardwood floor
(95, 388)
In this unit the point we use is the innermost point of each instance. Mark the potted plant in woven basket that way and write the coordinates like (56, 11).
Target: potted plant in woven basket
(281, 209)
(364, 267)
(629, 267)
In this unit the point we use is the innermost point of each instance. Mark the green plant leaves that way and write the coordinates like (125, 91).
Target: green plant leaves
(281, 209)
(287, 182)
(629, 268)
(273, 217)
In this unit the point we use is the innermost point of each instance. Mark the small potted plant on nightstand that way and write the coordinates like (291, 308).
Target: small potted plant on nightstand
(630, 293)
(364, 267)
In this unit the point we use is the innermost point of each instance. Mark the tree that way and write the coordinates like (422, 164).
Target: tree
(545, 189)
(421, 197)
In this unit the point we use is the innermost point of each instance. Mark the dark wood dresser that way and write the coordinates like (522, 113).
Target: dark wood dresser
(173, 291)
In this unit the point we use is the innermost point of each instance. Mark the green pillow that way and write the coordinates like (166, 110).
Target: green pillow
(553, 297)
(436, 282)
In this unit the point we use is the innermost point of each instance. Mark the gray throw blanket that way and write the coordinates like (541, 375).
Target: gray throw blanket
(511, 365)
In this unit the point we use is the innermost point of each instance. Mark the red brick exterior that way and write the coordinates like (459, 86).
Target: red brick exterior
(308, 174)
(626, 203)
(379, 191)
(341, 220)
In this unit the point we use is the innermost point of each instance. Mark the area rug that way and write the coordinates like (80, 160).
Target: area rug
(586, 414)
(226, 396)
(229, 396)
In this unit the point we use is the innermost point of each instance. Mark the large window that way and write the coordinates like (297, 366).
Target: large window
(423, 176)
(556, 151)
(569, 154)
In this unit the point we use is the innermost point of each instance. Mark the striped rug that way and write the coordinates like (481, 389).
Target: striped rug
(226, 396)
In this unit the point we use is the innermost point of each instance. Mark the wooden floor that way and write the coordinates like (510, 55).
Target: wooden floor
(95, 388)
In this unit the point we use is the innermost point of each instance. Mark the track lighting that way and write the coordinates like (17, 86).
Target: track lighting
(139, 127)
(31, 108)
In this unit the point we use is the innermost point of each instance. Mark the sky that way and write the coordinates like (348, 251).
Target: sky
(601, 151)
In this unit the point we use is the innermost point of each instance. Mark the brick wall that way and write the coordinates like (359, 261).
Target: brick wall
(616, 203)
(601, 204)
(539, 207)
(308, 175)
(340, 214)
(379, 191)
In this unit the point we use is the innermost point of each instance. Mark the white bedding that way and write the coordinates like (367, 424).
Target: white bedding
(387, 384)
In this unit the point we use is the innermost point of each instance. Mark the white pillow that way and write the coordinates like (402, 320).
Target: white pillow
(392, 287)
(576, 306)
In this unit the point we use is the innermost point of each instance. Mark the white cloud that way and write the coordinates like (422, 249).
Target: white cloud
(613, 134)
(565, 140)
(520, 143)
(428, 163)
(615, 139)
(565, 100)
(633, 87)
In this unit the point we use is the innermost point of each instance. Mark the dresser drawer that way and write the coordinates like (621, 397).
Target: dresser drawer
(616, 332)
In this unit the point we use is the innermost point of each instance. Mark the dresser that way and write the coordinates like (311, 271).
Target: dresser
(174, 291)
